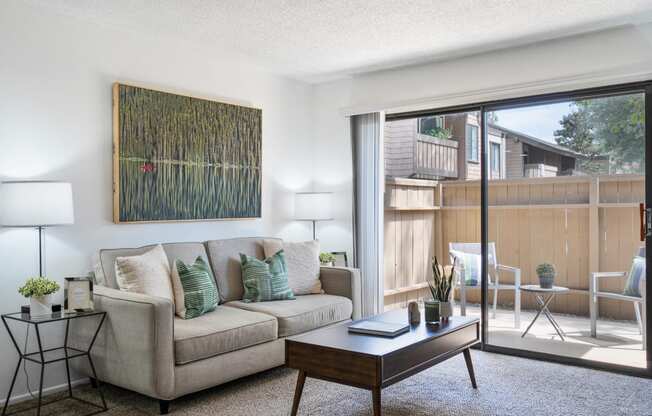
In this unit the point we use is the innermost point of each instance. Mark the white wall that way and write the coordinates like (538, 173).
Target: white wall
(55, 123)
(602, 58)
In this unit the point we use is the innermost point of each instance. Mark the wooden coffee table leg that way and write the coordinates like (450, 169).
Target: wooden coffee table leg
(297, 392)
(375, 392)
(469, 366)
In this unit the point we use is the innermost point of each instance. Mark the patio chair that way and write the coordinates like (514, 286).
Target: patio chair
(468, 274)
(634, 292)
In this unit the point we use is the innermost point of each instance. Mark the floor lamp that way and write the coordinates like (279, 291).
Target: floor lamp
(313, 206)
(36, 204)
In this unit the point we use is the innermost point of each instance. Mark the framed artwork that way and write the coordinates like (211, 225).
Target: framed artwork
(179, 158)
(78, 294)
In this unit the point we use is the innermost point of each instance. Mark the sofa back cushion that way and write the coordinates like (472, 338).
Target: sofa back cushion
(224, 256)
(186, 252)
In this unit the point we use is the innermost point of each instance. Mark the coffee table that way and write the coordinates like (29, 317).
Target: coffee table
(544, 296)
(374, 362)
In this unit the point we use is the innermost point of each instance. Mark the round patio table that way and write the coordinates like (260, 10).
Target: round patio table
(544, 297)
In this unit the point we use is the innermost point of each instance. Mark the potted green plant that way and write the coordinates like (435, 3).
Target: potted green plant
(546, 273)
(440, 288)
(327, 259)
(39, 290)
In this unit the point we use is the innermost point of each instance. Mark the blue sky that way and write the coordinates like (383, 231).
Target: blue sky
(539, 121)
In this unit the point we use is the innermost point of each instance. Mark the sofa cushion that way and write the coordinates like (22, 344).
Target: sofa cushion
(186, 252)
(223, 330)
(303, 264)
(224, 256)
(147, 273)
(303, 313)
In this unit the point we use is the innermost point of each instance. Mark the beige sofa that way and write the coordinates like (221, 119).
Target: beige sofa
(144, 347)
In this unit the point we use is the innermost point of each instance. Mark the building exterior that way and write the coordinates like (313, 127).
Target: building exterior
(448, 147)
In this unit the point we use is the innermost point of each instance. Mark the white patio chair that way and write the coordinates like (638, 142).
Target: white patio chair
(638, 301)
(466, 250)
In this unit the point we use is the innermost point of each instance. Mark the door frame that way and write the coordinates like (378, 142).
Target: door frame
(644, 87)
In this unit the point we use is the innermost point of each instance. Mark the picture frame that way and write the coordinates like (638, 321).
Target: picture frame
(78, 295)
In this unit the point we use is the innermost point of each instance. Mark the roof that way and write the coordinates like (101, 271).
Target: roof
(539, 143)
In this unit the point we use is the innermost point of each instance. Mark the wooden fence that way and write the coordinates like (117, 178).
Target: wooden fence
(581, 224)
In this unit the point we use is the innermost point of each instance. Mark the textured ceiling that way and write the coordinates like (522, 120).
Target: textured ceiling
(315, 40)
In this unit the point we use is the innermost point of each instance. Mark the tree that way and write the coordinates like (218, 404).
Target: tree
(612, 127)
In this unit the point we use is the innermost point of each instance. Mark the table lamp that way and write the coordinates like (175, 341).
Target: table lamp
(313, 206)
(36, 204)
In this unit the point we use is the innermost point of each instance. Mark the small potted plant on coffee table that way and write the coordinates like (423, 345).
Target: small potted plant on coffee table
(39, 290)
(440, 306)
(546, 273)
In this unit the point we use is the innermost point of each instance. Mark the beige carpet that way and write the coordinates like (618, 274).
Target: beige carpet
(507, 386)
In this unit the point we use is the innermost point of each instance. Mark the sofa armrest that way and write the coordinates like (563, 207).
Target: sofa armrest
(135, 348)
(343, 281)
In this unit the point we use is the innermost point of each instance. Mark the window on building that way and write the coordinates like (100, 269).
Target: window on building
(495, 160)
(472, 143)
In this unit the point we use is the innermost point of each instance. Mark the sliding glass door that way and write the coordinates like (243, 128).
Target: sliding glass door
(565, 228)
(543, 210)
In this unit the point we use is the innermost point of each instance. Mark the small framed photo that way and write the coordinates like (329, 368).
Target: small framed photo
(78, 294)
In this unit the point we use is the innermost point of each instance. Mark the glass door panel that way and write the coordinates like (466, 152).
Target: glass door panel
(566, 180)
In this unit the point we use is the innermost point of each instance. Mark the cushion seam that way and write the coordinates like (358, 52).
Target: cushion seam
(224, 330)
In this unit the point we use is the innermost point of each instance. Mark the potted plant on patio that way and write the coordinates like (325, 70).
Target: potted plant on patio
(546, 273)
(440, 288)
(39, 290)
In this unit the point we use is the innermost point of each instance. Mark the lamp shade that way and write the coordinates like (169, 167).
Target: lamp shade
(35, 203)
(313, 206)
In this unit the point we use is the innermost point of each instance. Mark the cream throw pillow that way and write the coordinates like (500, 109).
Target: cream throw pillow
(303, 264)
(148, 274)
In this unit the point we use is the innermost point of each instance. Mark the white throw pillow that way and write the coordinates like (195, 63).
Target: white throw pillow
(303, 264)
(148, 274)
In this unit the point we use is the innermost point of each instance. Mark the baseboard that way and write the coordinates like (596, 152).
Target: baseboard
(46, 391)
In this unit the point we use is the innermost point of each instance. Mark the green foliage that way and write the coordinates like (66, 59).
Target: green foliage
(327, 258)
(609, 126)
(442, 281)
(38, 286)
(545, 268)
(440, 133)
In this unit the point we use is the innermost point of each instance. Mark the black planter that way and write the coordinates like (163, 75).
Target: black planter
(546, 281)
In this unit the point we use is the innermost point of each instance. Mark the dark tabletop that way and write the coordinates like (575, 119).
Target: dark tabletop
(57, 316)
(338, 336)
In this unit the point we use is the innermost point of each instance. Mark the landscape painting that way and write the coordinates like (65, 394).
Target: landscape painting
(178, 158)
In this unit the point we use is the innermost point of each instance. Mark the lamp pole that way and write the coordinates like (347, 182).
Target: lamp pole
(40, 250)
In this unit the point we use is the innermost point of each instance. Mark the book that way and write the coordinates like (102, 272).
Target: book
(380, 328)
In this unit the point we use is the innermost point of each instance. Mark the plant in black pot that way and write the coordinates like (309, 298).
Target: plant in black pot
(440, 306)
(546, 273)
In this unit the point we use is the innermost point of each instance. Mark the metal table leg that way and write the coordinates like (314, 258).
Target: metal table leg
(543, 303)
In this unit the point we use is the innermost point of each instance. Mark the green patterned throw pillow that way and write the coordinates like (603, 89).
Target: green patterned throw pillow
(199, 290)
(265, 280)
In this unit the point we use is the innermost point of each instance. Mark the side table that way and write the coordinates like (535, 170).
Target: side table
(53, 355)
(544, 296)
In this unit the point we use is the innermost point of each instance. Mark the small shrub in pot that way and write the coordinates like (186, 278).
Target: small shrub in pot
(546, 273)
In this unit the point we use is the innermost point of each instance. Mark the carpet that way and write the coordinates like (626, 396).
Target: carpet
(507, 386)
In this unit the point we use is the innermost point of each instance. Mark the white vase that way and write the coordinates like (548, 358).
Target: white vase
(40, 305)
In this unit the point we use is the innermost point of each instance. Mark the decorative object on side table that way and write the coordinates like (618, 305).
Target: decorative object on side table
(441, 287)
(414, 314)
(327, 259)
(312, 206)
(52, 355)
(39, 290)
(546, 273)
(78, 294)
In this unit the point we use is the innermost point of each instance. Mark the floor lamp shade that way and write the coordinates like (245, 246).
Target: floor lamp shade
(35, 204)
(313, 206)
